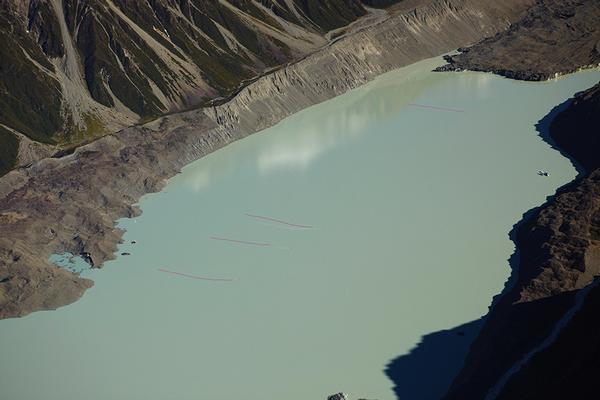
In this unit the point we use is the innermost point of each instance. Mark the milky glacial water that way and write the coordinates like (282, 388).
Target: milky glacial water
(406, 188)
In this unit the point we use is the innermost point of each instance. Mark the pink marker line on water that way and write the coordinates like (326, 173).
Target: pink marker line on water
(436, 108)
(279, 221)
(203, 278)
(240, 241)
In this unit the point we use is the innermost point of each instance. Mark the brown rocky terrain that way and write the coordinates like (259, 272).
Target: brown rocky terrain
(70, 203)
(569, 367)
(556, 37)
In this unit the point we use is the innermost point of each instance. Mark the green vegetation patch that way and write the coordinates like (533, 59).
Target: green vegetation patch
(92, 128)
(9, 150)
(30, 100)
(331, 14)
(380, 3)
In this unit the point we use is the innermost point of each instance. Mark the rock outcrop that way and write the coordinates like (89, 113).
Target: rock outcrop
(338, 396)
(71, 203)
(555, 38)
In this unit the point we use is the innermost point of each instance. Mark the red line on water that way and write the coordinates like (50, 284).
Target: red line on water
(195, 276)
(436, 108)
(278, 221)
(240, 241)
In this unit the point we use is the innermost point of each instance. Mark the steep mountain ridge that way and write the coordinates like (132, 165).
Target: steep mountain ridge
(74, 70)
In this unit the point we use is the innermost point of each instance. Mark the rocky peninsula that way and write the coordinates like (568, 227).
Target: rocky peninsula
(556, 37)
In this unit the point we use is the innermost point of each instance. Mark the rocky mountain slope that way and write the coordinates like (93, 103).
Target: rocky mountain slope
(72, 70)
(555, 38)
(70, 203)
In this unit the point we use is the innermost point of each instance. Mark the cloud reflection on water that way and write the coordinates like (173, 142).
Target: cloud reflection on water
(308, 135)
(199, 180)
(326, 126)
(310, 139)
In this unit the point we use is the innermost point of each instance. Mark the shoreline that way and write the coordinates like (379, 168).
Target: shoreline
(543, 287)
(556, 247)
(132, 283)
(552, 263)
(505, 324)
(70, 204)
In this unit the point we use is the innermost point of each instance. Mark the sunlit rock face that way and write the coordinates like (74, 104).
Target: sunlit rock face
(75, 70)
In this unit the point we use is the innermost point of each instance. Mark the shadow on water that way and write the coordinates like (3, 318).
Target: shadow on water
(427, 372)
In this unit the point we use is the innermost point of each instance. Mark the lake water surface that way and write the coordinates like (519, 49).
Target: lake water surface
(406, 189)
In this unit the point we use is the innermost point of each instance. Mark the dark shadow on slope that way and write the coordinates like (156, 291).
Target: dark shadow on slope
(543, 129)
(427, 371)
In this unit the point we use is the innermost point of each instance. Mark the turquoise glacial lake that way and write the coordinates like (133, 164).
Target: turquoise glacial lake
(405, 190)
